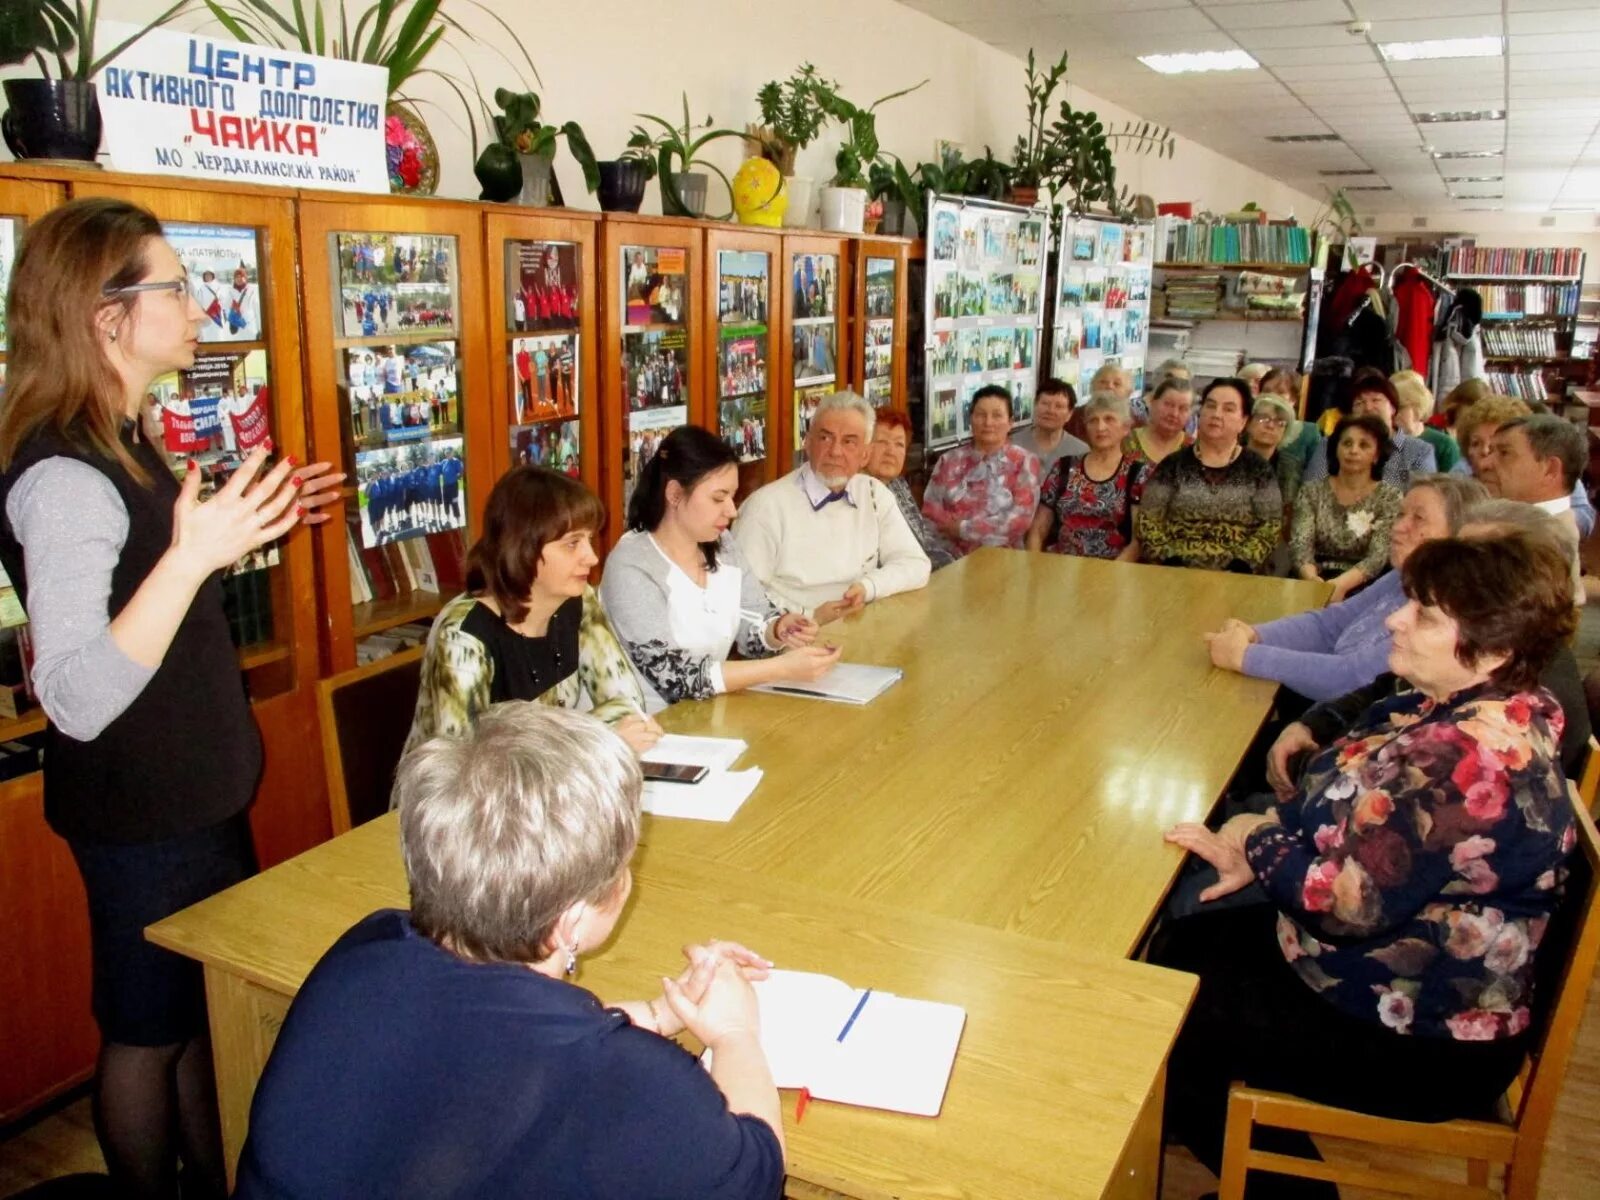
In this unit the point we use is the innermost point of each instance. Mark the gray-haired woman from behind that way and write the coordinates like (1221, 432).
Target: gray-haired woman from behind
(468, 1064)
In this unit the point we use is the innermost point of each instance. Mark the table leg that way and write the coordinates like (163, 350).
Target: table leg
(245, 1019)
(1138, 1174)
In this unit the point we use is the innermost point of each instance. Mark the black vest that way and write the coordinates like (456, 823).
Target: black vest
(186, 753)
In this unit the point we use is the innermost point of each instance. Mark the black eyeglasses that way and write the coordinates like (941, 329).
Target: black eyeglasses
(178, 287)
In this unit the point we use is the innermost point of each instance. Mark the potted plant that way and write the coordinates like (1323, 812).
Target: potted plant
(398, 35)
(898, 191)
(1037, 156)
(623, 180)
(792, 117)
(519, 130)
(844, 199)
(987, 177)
(57, 116)
(683, 189)
(1086, 174)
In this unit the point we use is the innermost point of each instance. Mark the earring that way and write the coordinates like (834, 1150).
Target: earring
(572, 959)
(112, 336)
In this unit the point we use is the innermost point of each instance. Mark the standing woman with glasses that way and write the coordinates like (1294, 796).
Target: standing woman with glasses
(151, 754)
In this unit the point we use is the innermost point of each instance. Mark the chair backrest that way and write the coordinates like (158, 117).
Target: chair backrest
(1566, 1011)
(1589, 785)
(366, 715)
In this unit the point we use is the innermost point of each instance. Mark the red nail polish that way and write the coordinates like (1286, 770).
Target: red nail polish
(293, 461)
(267, 443)
(300, 510)
(192, 464)
(295, 481)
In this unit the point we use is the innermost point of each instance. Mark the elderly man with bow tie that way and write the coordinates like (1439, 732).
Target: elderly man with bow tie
(827, 539)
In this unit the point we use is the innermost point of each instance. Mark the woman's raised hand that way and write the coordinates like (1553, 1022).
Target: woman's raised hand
(248, 511)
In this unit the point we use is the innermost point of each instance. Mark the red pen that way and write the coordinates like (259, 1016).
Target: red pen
(800, 1105)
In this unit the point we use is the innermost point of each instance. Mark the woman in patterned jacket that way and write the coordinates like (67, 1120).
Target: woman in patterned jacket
(529, 626)
(1411, 877)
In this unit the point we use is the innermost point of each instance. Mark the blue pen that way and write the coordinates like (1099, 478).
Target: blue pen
(860, 1004)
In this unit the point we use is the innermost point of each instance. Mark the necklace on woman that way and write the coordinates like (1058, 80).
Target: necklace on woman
(1200, 453)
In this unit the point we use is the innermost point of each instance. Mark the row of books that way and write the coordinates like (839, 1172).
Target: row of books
(1524, 385)
(247, 601)
(1180, 241)
(1520, 339)
(1193, 297)
(434, 562)
(1529, 299)
(1507, 260)
(391, 641)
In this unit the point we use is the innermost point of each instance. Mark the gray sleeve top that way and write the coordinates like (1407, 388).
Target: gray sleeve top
(72, 526)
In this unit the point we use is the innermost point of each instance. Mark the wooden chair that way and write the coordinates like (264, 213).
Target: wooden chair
(366, 715)
(1589, 785)
(1518, 1144)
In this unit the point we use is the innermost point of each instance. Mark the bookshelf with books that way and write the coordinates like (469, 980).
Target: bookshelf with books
(1532, 315)
(397, 344)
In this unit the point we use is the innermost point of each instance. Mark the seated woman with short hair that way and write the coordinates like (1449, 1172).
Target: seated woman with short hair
(1411, 875)
(529, 626)
(679, 594)
(1327, 652)
(1340, 531)
(985, 493)
(1215, 504)
(445, 1051)
(886, 462)
(1087, 503)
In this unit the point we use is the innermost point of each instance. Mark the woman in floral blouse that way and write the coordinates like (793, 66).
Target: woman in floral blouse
(985, 493)
(1340, 531)
(1087, 503)
(886, 462)
(1411, 876)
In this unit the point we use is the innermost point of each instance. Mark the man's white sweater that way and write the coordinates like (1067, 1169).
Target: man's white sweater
(806, 555)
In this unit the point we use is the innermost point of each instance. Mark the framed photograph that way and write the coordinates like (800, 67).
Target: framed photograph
(743, 424)
(878, 391)
(1026, 339)
(1136, 247)
(402, 392)
(879, 349)
(655, 286)
(1116, 290)
(1084, 245)
(1030, 242)
(742, 367)
(10, 234)
(806, 400)
(1003, 295)
(943, 358)
(999, 344)
(969, 350)
(946, 234)
(384, 310)
(542, 286)
(1110, 244)
(655, 367)
(646, 429)
(743, 287)
(224, 278)
(411, 490)
(545, 379)
(942, 420)
(388, 259)
(815, 279)
(945, 287)
(550, 444)
(1023, 386)
(815, 353)
(880, 287)
(968, 251)
(971, 295)
(215, 412)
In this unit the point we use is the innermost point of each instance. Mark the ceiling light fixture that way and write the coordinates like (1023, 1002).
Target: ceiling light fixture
(1481, 114)
(1207, 60)
(1474, 178)
(1354, 171)
(1478, 47)
(1305, 137)
(1467, 153)
(1369, 187)
(1477, 195)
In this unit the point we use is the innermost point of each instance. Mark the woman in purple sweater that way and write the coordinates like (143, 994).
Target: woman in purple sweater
(1330, 651)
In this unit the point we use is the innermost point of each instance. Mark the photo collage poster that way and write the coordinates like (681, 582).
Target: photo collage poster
(814, 330)
(10, 235)
(985, 282)
(401, 374)
(744, 291)
(542, 310)
(655, 352)
(1103, 301)
(219, 409)
(877, 377)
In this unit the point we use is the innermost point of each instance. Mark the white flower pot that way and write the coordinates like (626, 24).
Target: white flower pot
(844, 210)
(802, 201)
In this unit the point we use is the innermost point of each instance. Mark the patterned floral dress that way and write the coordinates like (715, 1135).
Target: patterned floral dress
(1094, 517)
(992, 497)
(1416, 877)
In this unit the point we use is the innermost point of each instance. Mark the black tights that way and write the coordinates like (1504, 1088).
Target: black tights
(152, 1106)
(1254, 1020)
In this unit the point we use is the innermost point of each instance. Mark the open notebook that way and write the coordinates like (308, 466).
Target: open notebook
(896, 1053)
(847, 683)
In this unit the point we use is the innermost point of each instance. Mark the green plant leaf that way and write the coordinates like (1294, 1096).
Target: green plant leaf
(579, 145)
(93, 68)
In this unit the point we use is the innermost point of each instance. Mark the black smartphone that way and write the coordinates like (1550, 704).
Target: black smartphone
(673, 772)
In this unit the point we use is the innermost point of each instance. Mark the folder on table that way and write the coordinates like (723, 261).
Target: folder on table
(847, 683)
(858, 1046)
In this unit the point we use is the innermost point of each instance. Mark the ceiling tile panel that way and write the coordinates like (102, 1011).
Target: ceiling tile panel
(1384, 30)
(1233, 17)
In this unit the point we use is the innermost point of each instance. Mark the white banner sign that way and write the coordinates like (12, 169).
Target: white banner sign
(183, 104)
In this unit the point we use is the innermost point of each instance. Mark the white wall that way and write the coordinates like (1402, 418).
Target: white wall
(602, 61)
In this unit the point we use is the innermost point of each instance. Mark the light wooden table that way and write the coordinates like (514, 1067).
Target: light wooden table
(1056, 1089)
(1057, 715)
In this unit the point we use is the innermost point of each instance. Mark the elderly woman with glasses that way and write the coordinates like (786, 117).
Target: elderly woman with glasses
(469, 1061)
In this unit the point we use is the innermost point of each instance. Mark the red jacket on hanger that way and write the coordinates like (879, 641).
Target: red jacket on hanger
(1414, 325)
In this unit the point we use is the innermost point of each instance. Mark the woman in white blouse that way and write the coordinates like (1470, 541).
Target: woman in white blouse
(679, 595)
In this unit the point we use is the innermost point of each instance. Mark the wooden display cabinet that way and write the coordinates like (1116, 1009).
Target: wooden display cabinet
(878, 326)
(396, 350)
(540, 269)
(815, 358)
(745, 306)
(653, 368)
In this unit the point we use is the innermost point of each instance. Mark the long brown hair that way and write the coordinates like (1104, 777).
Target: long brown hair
(57, 372)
